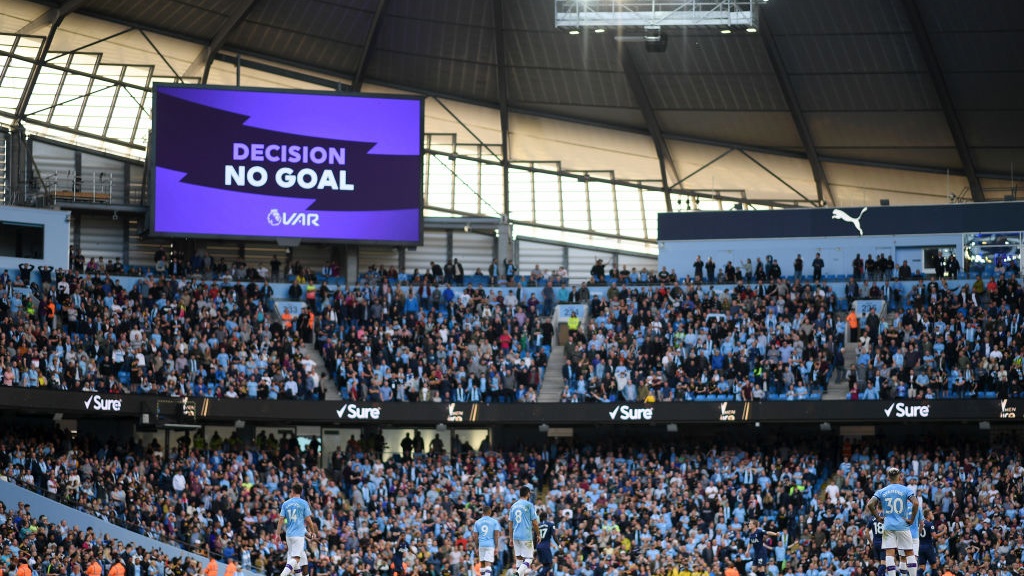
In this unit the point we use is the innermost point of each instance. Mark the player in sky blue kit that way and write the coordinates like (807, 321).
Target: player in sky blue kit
(296, 519)
(896, 505)
(522, 517)
(487, 530)
(915, 537)
(545, 542)
(760, 554)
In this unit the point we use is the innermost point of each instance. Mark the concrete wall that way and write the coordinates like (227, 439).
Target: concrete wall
(837, 252)
(56, 235)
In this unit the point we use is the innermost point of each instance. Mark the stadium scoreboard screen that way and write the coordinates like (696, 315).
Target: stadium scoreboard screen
(266, 164)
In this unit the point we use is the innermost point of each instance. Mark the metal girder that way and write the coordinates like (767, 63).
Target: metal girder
(793, 103)
(50, 16)
(779, 178)
(636, 85)
(89, 44)
(161, 55)
(205, 58)
(37, 63)
(956, 130)
(69, 70)
(371, 39)
(499, 57)
(283, 66)
(639, 185)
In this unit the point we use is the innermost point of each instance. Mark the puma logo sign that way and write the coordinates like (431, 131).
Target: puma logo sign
(838, 214)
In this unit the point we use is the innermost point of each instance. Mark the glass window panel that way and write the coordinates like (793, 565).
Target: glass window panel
(520, 200)
(70, 111)
(134, 95)
(85, 61)
(440, 183)
(25, 50)
(119, 132)
(602, 207)
(654, 204)
(466, 184)
(137, 76)
(442, 145)
(491, 189)
(40, 102)
(547, 198)
(98, 103)
(49, 78)
(630, 211)
(75, 84)
(574, 204)
(16, 74)
(10, 93)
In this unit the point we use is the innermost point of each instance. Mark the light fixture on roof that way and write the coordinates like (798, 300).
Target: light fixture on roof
(598, 30)
(726, 31)
(574, 32)
(652, 33)
(634, 14)
(751, 29)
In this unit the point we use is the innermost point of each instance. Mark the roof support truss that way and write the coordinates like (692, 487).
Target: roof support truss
(205, 58)
(51, 16)
(793, 103)
(956, 130)
(54, 16)
(371, 40)
(636, 85)
(499, 57)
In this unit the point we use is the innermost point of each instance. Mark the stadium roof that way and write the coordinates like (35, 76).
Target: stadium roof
(828, 102)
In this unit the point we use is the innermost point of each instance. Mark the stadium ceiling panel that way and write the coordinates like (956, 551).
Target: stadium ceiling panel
(871, 89)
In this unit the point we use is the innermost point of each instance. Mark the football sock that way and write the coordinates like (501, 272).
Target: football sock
(524, 568)
(287, 569)
(912, 565)
(890, 566)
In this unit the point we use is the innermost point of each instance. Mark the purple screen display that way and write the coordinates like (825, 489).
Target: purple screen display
(284, 164)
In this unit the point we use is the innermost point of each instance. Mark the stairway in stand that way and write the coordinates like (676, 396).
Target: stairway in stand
(551, 387)
(311, 352)
(837, 390)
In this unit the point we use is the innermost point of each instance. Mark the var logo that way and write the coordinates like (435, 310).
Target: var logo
(901, 410)
(279, 218)
(631, 414)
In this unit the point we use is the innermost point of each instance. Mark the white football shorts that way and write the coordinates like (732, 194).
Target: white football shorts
(487, 554)
(897, 539)
(523, 548)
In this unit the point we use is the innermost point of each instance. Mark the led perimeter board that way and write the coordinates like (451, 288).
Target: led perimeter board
(268, 164)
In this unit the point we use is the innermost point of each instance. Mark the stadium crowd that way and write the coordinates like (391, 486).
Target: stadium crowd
(775, 339)
(37, 546)
(946, 342)
(171, 336)
(632, 508)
